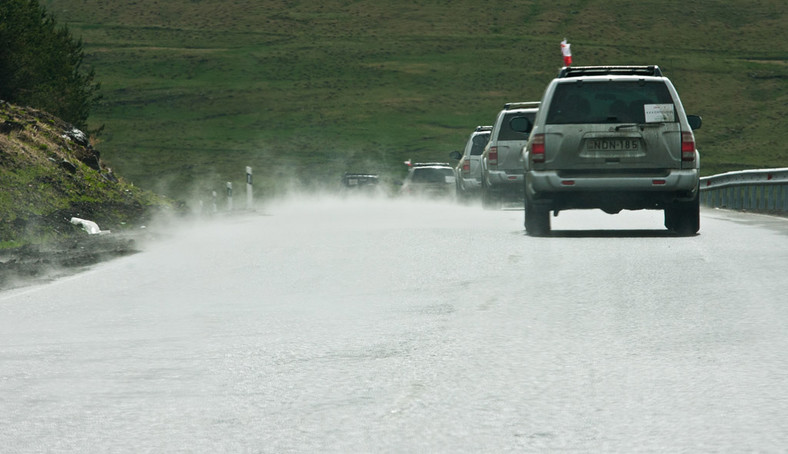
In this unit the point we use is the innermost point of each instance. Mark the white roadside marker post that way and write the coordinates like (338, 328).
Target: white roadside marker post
(248, 188)
(229, 196)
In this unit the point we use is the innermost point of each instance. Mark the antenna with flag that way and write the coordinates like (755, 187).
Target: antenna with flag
(567, 52)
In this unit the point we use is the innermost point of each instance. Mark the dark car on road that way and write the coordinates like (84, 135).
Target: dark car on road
(360, 181)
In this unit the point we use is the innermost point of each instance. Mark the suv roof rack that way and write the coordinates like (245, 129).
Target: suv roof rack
(426, 164)
(521, 105)
(354, 175)
(484, 128)
(577, 71)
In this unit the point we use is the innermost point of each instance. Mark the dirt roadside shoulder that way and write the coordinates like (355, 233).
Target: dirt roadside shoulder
(31, 264)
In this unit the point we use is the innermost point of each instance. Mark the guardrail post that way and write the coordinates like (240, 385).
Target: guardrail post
(745, 197)
(785, 197)
(750, 198)
(764, 197)
(761, 197)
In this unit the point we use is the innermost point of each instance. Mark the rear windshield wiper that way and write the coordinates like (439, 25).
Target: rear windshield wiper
(640, 125)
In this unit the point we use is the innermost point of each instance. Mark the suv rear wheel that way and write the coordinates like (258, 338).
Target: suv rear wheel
(490, 200)
(683, 218)
(537, 219)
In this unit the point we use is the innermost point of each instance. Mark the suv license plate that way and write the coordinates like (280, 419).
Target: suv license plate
(612, 145)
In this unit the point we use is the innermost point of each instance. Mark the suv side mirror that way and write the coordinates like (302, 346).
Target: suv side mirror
(521, 124)
(455, 155)
(694, 121)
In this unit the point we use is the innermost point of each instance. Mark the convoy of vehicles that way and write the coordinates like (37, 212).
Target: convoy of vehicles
(602, 137)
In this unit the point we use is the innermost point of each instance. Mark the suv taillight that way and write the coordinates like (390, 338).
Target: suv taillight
(492, 156)
(466, 167)
(537, 148)
(687, 146)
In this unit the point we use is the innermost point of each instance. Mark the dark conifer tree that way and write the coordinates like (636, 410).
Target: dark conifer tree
(41, 63)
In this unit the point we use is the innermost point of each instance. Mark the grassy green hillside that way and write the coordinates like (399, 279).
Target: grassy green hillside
(194, 90)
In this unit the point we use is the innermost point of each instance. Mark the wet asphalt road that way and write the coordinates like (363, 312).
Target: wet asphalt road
(356, 325)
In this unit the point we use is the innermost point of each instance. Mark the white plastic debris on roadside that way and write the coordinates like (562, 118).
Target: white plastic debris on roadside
(89, 226)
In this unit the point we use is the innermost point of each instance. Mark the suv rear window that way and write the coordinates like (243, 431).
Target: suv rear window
(507, 133)
(431, 175)
(479, 142)
(606, 102)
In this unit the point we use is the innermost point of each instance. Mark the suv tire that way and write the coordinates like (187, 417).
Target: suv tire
(683, 218)
(537, 219)
(490, 200)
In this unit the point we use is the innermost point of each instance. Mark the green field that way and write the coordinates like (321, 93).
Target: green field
(195, 90)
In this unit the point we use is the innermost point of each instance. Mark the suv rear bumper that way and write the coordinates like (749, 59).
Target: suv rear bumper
(505, 178)
(611, 193)
(470, 184)
(673, 180)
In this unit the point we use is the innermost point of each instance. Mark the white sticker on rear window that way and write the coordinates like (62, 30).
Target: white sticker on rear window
(657, 113)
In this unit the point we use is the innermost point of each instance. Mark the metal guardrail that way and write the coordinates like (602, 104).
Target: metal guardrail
(755, 190)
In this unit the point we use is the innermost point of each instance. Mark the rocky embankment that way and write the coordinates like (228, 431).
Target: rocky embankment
(50, 173)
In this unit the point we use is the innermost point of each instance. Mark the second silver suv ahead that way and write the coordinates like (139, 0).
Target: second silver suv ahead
(614, 138)
(502, 166)
(468, 168)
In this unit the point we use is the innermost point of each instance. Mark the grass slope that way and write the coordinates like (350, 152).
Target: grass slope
(194, 90)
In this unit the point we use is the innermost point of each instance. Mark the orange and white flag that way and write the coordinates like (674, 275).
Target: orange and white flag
(567, 52)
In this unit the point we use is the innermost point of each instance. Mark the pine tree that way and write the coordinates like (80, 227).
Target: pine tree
(41, 63)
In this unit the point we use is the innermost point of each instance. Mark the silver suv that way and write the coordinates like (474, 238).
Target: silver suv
(502, 166)
(469, 169)
(429, 180)
(614, 138)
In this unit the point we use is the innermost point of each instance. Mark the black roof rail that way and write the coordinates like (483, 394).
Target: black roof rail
(521, 105)
(352, 175)
(577, 71)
